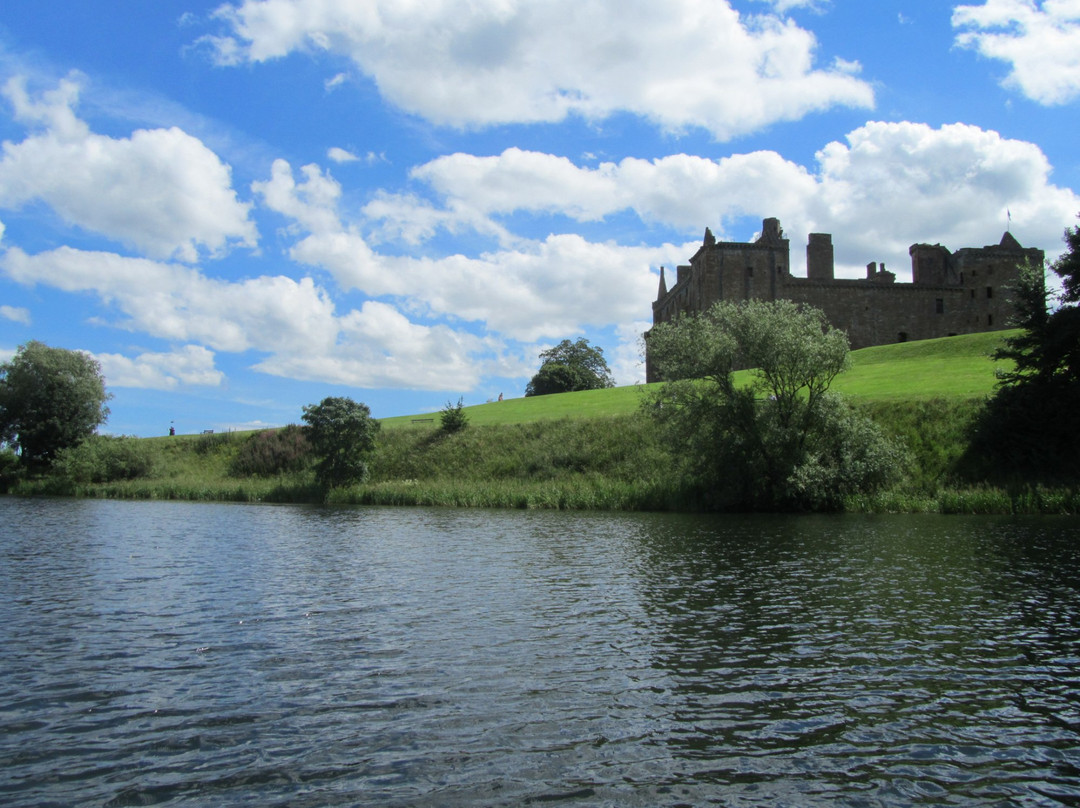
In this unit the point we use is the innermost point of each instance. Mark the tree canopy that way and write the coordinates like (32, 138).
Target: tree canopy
(779, 441)
(1029, 427)
(342, 434)
(569, 367)
(50, 399)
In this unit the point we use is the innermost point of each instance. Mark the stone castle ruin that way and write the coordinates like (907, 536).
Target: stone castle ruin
(950, 293)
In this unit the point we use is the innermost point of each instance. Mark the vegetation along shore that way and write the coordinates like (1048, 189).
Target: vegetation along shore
(595, 449)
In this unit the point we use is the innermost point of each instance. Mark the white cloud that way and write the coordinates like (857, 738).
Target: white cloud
(15, 314)
(678, 63)
(339, 155)
(293, 322)
(161, 190)
(190, 365)
(887, 186)
(1039, 40)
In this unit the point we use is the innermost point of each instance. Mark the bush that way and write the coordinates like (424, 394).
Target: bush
(271, 452)
(9, 469)
(103, 459)
(453, 418)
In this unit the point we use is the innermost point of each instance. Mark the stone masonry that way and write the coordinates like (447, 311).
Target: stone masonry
(950, 293)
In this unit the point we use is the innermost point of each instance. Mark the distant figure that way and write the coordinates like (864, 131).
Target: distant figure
(500, 396)
(172, 431)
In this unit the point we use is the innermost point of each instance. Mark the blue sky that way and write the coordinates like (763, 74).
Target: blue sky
(242, 208)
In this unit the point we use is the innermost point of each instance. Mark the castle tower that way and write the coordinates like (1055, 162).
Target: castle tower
(819, 257)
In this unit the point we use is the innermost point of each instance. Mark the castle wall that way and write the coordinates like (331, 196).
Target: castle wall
(950, 294)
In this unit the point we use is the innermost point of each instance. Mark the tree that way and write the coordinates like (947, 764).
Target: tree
(1027, 428)
(780, 441)
(568, 367)
(453, 418)
(50, 399)
(342, 434)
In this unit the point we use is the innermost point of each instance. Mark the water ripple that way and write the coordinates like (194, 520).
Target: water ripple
(178, 654)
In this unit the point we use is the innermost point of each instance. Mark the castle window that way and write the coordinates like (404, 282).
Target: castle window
(989, 291)
(939, 305)
(989, 319)
(902, 336)
(972, 294)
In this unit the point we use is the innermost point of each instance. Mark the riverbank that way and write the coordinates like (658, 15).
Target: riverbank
(592, 450)
(589, 463)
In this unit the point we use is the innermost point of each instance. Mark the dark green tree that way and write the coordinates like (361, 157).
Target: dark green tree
(569, 367)
(341, 433)
(779, 441)
(50, 399)
(453, 418)
(1027, 429)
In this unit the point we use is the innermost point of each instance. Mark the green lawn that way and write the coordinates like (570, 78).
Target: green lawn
(951, 367)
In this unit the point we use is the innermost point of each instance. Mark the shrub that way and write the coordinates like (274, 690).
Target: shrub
(453, 418)
(9, 469)
(103, 458)
(271, 452)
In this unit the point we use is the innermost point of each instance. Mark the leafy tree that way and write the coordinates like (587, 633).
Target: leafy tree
(568, 367)
(342, 434)
(453, 418)
(50, 399)
(780, 441)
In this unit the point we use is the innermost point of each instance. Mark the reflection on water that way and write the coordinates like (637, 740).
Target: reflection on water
(181, 654)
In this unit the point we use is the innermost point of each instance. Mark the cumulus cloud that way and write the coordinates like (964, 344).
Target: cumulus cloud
(886, 186)
(1039, 40)
(536, 289)
(467, 63)
(294, 323)
(160, 191)
(190, 365)
(15, 314)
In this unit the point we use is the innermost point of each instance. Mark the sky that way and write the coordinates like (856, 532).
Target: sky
(241, 208)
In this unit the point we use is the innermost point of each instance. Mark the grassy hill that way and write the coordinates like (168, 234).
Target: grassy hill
(952, 367)
(595, 450)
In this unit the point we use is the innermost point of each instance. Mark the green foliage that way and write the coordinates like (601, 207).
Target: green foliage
(342, 434)
(453, 418)
(50, 399)
(102, 459)
(213, 442)
(1028, 429)
(272, 452)
(778, 441)
(570, 367)
(9, 469)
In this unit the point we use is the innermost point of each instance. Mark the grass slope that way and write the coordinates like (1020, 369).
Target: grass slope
(595, 450)
(952, 367)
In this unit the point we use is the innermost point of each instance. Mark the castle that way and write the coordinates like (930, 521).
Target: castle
(949, 293)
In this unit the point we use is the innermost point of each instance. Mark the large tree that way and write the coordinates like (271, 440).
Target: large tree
(342, 434)
(774, 440)
(1028, 429)
(50, 399)
(569, 367)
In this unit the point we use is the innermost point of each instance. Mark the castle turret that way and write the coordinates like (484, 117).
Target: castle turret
(819, 257)
(661, 293)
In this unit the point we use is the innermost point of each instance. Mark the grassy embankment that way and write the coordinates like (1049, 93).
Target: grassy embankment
(594, 449)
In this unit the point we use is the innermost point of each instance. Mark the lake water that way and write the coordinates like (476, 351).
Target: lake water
(224, 655)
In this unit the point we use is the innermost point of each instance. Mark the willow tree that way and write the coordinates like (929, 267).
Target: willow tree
(773, 438)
